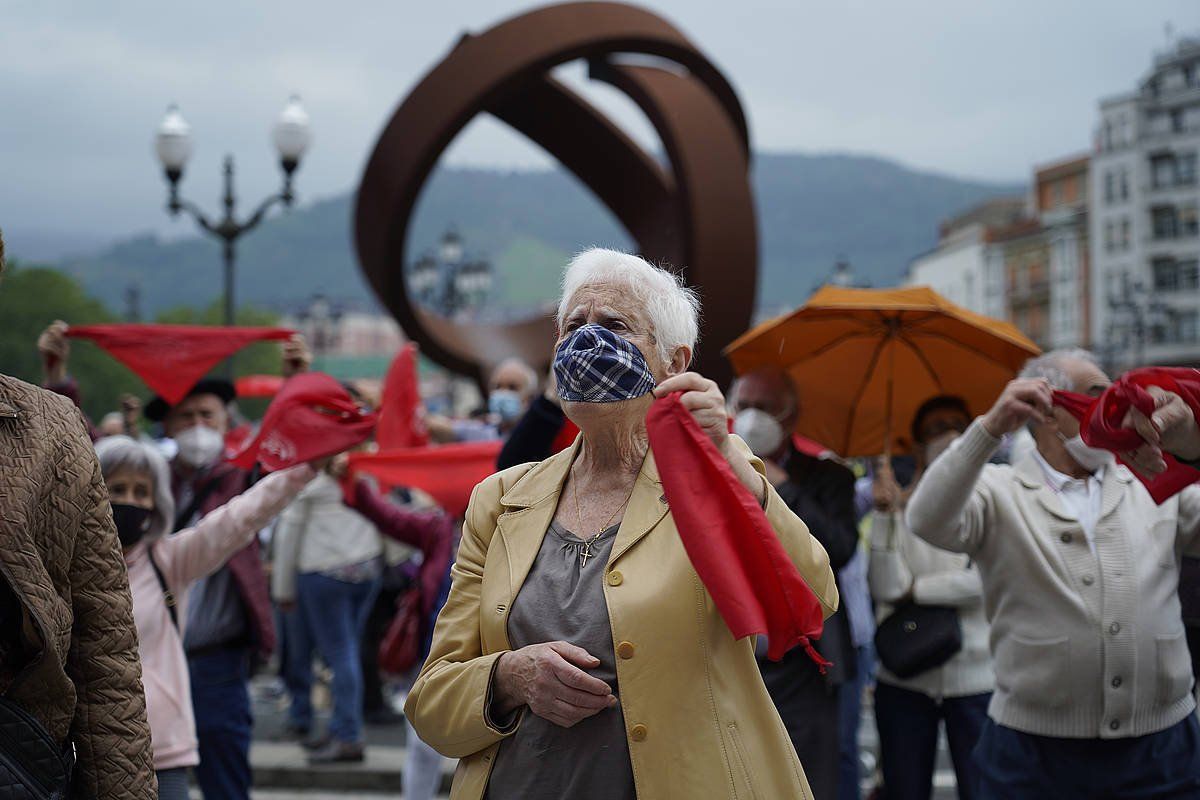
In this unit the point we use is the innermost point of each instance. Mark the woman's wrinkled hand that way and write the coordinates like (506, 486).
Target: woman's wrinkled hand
(702, 397)
(549, 678)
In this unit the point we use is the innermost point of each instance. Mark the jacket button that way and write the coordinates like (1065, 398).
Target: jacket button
(1066, 538)
(625, 650)
(1114, 725)
(1116, 682)
(615, 578)
(1088, 580)
(638, 733)
(1115, 628)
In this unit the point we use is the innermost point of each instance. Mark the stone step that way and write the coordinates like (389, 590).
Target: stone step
(284, 765)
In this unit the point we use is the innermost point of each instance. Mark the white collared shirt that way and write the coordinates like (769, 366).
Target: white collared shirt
(1082, 498)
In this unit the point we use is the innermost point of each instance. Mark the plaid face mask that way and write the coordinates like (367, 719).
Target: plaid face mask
(595, 365)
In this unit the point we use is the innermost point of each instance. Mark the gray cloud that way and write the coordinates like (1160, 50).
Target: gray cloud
(978, 89)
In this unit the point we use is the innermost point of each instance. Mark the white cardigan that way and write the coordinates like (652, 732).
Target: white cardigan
(1085, 644)
(318, 532)
(901, 563)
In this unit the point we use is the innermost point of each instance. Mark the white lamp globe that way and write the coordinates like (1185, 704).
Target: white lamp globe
(291, 133)
(173, 143)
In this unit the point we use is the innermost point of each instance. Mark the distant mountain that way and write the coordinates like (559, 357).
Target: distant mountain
(813, 209)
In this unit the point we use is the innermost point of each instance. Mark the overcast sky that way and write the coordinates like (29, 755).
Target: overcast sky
(980, 89)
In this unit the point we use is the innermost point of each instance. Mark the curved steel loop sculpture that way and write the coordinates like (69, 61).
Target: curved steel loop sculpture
(698, 215)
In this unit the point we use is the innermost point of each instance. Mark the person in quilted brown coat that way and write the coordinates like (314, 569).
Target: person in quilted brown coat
(68, 646)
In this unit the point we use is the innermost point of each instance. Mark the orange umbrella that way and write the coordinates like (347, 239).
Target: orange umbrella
(863, 361)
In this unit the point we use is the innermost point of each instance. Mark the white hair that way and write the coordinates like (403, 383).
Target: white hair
(118, 453)
(672, 307)
(1050, 367)
(530, 374)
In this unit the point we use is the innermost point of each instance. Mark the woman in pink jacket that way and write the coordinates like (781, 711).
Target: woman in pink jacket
(162, 568)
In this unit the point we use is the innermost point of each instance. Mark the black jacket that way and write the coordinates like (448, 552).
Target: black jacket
(821, 492)
(533, 437)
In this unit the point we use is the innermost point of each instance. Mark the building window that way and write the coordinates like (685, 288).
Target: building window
(1176, 276)
(1184, 326)
(1165, 222)
(1166, 275)
(1189, 223)
(1177, 120)
(1109, 184)
(1162, 171)
(1108, 237)
(1124, 184)
(1185, 169)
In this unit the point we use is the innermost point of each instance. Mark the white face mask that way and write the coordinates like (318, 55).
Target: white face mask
(199, 446)
(762, 432)
(1090, 458)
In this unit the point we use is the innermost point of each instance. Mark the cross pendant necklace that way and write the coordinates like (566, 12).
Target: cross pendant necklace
(585, 549)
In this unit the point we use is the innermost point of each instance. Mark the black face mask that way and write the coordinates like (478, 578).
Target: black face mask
(132, 522)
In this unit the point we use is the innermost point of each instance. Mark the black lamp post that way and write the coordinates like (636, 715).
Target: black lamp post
(448, 282)
(173, 145)
(1144, 313)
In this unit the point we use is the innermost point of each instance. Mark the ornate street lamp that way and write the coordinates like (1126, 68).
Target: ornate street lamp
(173, 144)
(448, 282)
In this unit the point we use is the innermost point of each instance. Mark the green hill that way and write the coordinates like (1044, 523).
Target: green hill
(812, 210)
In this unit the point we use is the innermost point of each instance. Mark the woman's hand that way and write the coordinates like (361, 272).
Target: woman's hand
(55, 349)
(707, 405)
(886, 493)
(704, 400)
(547, 678)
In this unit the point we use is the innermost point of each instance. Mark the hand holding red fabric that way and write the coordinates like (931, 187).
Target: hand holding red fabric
(729, 540)
(1103, 421)
(312, 417)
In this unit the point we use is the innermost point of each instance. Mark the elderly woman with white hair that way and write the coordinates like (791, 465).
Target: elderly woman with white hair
(162, 567)
(578, 654)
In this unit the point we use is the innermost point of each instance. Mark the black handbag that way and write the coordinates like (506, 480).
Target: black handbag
(915, 638)
(32, 765)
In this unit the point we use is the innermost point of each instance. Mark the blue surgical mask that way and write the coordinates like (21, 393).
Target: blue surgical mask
(505, 404)
(595, 365)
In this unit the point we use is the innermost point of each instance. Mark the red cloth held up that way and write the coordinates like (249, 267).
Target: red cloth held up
(258, 385)
(447, 472)
(172, 358)
(313, 416)
(400, 422)
(1101, 420)
(729, 540)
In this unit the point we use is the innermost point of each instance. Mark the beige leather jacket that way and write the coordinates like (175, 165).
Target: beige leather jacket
(699, 721)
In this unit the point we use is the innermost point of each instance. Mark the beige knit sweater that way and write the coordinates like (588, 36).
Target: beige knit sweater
(1084, 645)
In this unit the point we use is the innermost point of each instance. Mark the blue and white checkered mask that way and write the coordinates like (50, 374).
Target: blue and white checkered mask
(595, 365)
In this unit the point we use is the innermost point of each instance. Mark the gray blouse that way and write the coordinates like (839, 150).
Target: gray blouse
(562, 599)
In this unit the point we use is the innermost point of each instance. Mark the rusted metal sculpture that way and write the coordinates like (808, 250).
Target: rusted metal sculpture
(697, 214)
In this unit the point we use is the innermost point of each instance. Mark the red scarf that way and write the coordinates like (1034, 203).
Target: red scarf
(258, 385)
(400, 424)
(729, 540)
(313, 416)
(1101, 420)
(448, 472)
(172, 358)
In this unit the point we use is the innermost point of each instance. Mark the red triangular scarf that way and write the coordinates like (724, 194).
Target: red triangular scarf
(729, 540)
(172, 358)
(400, 424)
(258, 385)
(313, 416)
(1100, 420)
(448, 472)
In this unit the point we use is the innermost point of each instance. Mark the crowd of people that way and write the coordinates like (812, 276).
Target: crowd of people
(567, 646)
